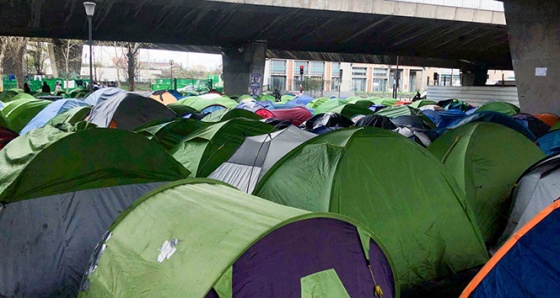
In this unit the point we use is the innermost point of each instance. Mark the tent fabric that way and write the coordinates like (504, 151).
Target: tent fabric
(204, 150)
(351, 110)
(327, 106)
(169, 134)
(412, 121)
(452, 104)
(548, 118)
(317, 102)
(202, 102)
(526, 265)
(102, 95)
(421, 103)
(51, 111)
(384, 101)
(549, 142)
(444, 118)
(46, 242)
(536, 189)
(163, 97)
(296, 115)
(197, 238)
(302, 99)
(6, 136)
(71, 116)
(72, 161)
(376, 121)
(486, 159)
(257, 155)
(428, 229)
(18, 113)
(128, 111)
(396, 111)
(494, 117)
(501, 107)
(536, 126)
(329, 119)
(226, 114)
(325, 284)
(181, 110)
(7, 95)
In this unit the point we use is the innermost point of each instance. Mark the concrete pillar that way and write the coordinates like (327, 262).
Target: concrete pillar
(475, 76)
(239, 63)
(535, 50)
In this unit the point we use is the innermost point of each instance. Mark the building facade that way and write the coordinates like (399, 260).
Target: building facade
(357, 78)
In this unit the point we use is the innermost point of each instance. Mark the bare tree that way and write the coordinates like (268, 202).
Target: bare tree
(132, 49)
(37, 55)
(68, 50)
(3, 47)
(14, 49)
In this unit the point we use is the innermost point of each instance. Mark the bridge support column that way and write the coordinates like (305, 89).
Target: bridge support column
(239, 63)
(535, 49)
(475, 76)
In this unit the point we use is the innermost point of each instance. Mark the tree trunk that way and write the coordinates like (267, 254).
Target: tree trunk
(74, 57)
(131, 55)
(3, 44)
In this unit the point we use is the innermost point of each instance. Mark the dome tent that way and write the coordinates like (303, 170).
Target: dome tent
(128, 111)
(427, 229)
(218, 242)
(526, 265)
(71, 116)
(226, 114)
(204, 150)
(536, 189)
(169, 132)
(486, 159)
(102, 95)
(257, 155)
(18, 113)
(51, 111)
(62, 190)
(499, 106)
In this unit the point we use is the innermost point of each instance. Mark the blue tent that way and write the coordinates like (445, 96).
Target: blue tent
(550, 142)
(495, 117)
(302, 99)
(527, 265)
(444, 118)
(50, 111)
(102, 95)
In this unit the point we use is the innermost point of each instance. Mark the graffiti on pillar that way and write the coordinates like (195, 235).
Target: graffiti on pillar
(255, 84)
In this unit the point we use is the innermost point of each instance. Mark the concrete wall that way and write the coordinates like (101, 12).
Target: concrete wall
(476, 96)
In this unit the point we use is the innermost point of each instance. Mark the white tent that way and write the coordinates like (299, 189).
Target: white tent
(257, 155)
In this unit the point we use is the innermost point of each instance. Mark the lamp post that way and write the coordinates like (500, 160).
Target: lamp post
(171, 69)
(90, 11)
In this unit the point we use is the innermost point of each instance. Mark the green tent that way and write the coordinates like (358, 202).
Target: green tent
(20, 112)
(23, 96)
(364, 103)
(49, 161)
(245, 97)
(327, 106)
(200, 104)
(168, 134)
(72, 116)
(265, 97)
(316, 102)
(396, 111)
(486, 159)
(7, 95)
(385, 101)
(555, 126)
(500, 106)
(3, 121)
(205, 150)
(226, 114)
(351, 110)
(201, 238)
(181, 109)
(423, 102)
(394, 187)
(286, 97)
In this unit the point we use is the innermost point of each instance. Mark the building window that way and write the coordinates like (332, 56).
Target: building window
(379, 85)
(299, 63)
(359, 71)
(380, 72)
(359, 84)
(335, 83)
(279, 81)
(278, 66)
(335, 71)
(317, 68)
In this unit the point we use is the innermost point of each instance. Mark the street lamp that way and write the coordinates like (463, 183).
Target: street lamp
(90, 11)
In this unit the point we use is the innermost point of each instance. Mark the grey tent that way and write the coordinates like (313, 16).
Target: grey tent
(60, 191)
(537, 188)
(257, 155)
(128, 111)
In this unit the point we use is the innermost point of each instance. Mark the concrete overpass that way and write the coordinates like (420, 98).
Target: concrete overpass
(374, 31)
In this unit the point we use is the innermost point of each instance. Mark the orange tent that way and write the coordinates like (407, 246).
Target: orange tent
(163, 97)
(548, 118)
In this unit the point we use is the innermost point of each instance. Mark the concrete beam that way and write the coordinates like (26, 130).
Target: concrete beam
(535, 49)
(239, 63)
(387, 7)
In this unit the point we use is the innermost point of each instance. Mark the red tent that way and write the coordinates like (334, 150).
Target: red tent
(6, 136)
(296, 115)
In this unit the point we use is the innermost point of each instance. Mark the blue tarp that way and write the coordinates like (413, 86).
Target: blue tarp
(102, 95)
(302, 99)
(530, 268)
(550, 142)
(495, 117)
(444, 118)
(50, 111)
(212, 109)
